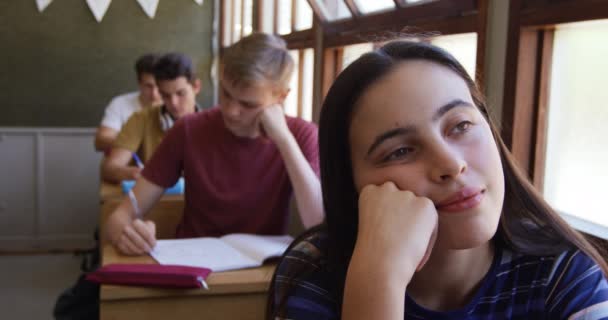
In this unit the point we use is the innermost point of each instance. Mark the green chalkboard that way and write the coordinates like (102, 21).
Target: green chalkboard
(60, 68)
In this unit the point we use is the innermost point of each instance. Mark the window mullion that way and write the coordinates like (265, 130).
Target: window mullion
(540, 152)
(301, 83)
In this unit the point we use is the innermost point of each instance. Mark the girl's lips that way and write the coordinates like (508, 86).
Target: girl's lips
(462, 200)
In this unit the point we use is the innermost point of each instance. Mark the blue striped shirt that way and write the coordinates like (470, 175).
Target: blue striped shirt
(565, 286)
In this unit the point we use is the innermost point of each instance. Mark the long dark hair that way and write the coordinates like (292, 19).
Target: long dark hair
(527, 223)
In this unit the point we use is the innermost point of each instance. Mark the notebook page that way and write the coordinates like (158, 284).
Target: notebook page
(209, 253)
(258, 247)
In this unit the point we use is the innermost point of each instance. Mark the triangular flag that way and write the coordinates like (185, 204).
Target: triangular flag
(42, 4)
(99, 8)
(200, 2)
(149, 7)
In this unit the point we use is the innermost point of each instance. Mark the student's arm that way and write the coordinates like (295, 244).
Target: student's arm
(115, 167)
(129, 234)
(104, 138)
(306, 185)
(110, 124)
(395, 236)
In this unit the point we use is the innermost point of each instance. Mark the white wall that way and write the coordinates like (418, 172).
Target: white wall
(49, 182)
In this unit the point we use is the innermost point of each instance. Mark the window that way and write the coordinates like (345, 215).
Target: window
(287, 18)
(303, 15)
(577, 150)
(237, 20)
(463, 47)
(299, 100)
(291, 102)
(354, 51)
(374, 6)
(554, 110)
(307, 76)
(284, 16)
(247, 17)
(346, 25)
(332, 10)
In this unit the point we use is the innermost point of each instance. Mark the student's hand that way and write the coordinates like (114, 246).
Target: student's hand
(132, 173)
(397, 229)
(273, 124)
(136, 238)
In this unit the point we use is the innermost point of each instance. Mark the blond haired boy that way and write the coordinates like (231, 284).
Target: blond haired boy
(241, 160)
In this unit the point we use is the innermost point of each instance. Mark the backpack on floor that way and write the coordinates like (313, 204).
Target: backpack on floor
(81, 301)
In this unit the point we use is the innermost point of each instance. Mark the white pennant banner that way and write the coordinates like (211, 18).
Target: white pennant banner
(42, 4)
(99, 8)
(149, 7)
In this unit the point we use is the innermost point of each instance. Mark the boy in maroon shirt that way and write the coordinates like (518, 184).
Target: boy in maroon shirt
(241, 160)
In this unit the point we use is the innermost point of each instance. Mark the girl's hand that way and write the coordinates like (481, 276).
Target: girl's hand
(397, 229)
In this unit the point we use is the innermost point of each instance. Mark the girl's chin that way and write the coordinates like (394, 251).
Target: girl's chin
(463, 240)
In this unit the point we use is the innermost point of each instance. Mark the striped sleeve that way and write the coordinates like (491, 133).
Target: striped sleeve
(301, 285)
(578, 289)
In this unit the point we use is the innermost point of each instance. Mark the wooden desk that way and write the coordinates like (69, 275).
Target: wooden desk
(167, 213)
(239, 294)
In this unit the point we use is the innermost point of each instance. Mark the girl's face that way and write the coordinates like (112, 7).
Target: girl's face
(419, 128)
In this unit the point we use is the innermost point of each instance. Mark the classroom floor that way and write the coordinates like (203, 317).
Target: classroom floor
(30, 284)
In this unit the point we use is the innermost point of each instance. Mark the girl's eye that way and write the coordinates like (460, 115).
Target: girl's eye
(399, 154)
(462, 127)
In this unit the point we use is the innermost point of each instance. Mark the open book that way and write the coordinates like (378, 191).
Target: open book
(233, 251)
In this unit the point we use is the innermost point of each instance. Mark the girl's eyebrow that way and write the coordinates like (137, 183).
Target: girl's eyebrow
(399, 131)
(410, 129)
(449, 106)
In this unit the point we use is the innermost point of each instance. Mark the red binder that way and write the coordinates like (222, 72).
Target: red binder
(154, 275)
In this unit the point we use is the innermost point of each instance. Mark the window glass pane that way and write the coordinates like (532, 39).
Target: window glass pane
(236, 31)
(266, 23)
(247, 17)
(308, 69)
(463, 47)
(366, 6)
(412, 2)
(354, 51)
(576, 165)
(227, 31)
(303, 15)
(284, 11)
(291, 102)
(333, 9)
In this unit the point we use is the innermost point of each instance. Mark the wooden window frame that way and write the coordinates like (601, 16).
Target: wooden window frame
(526, 86)
(296, 40)
(443, 16)
(327, 38)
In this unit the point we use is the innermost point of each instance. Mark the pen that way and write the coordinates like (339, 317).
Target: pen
(202, 282)
(134, 203)
(138, 161)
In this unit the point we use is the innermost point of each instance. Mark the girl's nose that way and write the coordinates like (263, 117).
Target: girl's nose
(447, 163)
